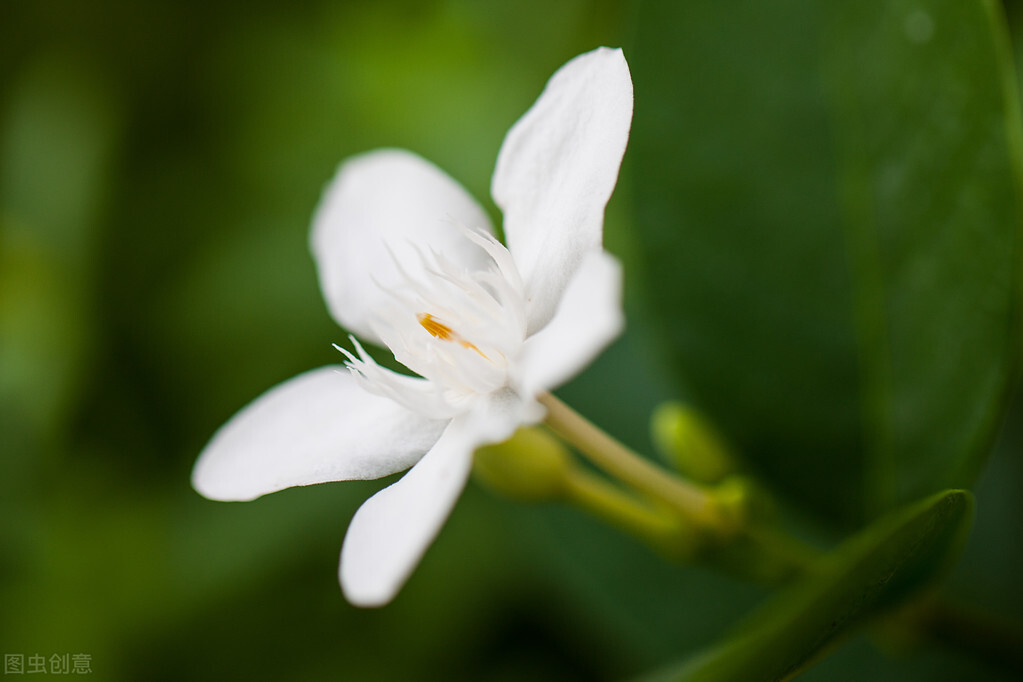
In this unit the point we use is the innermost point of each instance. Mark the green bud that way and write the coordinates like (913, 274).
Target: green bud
(533, 465)
(690, 443)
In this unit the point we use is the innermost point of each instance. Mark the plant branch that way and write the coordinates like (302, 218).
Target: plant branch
(688, 500)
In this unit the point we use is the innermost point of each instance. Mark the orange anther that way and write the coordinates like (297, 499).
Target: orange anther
(443, 332)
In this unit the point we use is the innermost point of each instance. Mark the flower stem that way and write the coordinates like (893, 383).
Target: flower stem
(599, 497)
(688, 500)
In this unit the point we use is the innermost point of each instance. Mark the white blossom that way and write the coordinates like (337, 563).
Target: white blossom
(407, 260)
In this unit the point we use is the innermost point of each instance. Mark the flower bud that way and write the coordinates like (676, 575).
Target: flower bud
(532, 466)
(690, 443)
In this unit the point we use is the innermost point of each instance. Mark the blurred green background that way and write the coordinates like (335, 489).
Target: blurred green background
(159, 164)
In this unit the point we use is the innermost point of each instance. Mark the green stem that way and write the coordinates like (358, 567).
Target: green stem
(606, 501)
(699, 519)
(689, 501)
(764, 554)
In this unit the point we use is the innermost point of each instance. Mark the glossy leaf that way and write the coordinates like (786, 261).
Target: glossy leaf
(830, 228)
(871, 573)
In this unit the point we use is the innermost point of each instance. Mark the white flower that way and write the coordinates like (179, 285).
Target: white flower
(407, 260)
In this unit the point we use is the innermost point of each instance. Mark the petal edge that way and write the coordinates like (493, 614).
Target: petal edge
(393, 529)
(381, 206)
(556, 171)
(588, 318)
(317, 427)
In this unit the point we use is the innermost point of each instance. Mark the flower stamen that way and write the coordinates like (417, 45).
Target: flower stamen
(445, 333)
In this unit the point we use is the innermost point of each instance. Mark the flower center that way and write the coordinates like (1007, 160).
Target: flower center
(468, 342)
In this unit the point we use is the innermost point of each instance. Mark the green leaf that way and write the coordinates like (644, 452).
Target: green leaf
(873, 572)
(828, 202)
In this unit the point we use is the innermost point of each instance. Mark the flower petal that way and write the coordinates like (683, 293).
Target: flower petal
(386, 208)
(319, 426)
(391, 531)
(556, 171)
(588, 318)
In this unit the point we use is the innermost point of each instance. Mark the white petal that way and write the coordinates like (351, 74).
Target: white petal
(319, 426)
(556, 171)
(391, 531)
(588, 318)
(382, 206)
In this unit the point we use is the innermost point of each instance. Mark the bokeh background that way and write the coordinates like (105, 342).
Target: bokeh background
(159, 164)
